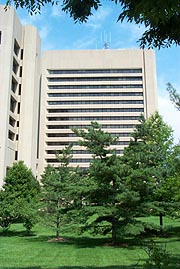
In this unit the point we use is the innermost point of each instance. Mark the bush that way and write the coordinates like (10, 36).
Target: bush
(157, 255)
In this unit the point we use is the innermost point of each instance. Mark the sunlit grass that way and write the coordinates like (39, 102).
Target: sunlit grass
(36, 251)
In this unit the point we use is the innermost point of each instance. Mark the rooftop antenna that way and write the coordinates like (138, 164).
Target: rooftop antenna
(106, 39)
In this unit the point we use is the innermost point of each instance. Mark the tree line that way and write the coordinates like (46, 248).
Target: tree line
(110, 195)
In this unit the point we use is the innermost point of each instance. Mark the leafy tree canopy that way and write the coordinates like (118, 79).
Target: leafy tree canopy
(20, 182)
(161, 17)
(19, 196)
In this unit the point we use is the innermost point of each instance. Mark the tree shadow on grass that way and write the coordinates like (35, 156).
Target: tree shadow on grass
(133, 266)
(88, 242)
(84, 242)
(172, 231)
(93, 242)
(11, 233)
(83, 267)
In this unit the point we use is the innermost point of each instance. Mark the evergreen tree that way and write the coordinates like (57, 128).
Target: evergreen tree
(56, 191)
(149, 161)
(19, 196)
(108, 205)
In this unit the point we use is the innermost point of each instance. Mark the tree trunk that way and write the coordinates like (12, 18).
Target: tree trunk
(114, 238)
(57, 226)
(58, 219)
(161, 222)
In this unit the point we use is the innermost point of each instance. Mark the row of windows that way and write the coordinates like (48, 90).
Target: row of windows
(90, 118)
(65, 143)
(81, 110)
(77, 151)
(109, 126)
(96, 71)
(83, 160)
(80, 94)
(69, 79)
(94, 102)
(73, 151)
(71, 161)
(74, 135)
(120, 86)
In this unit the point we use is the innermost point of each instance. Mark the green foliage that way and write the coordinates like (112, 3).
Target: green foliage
(19, 197)
(149, 159)
(157, 255)
(161, 18)
(108, 204)
(96, 140)
(6, 212)
(80, 10)
(57, 188)
(174, 96)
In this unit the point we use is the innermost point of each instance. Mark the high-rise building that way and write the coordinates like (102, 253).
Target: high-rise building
(112, 87)
(19, 87)
(44, 98)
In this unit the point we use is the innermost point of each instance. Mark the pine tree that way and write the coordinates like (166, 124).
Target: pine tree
(108, 205)
(149, 161)
(56, 191)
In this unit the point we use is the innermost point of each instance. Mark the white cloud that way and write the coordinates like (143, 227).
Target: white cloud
(85, 43)
(56, 11)
(44, 32)
(127, 35)
(134, 32)
(170, 115)
(97, 20)
(30, 19)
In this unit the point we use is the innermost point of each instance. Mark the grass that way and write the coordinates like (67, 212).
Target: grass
(18, 251)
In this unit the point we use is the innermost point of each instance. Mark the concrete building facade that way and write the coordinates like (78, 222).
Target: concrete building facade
(19, 102)
(43, 98)
(112, 87)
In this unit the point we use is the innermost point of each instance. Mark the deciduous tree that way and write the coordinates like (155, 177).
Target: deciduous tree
(174, 96)
(19, 196)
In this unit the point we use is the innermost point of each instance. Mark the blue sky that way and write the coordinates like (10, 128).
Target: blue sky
(58, 31)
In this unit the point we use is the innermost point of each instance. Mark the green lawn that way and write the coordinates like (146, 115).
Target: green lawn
(35, 252)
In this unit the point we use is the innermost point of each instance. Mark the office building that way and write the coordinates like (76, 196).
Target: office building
(19, 102)
(45, 97)
(112, 87)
